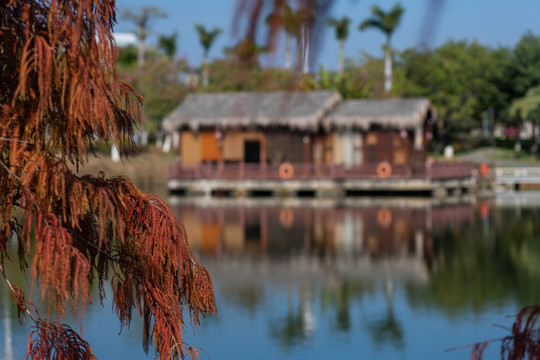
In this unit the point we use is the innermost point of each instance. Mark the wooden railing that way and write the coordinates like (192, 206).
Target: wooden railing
(248, 171)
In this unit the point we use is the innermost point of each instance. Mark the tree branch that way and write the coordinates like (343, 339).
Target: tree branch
(2, 270)
(13, 175)
(17, 197)
(473, 344)
(18, 141)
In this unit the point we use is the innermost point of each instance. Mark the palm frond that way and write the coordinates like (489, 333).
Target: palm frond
(387, 22)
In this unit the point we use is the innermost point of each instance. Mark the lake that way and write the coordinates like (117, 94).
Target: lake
(365, 278)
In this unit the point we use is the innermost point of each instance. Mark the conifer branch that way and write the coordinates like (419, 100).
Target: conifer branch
(11, 173)
(17, 140)
(472, 345)
(61, 95)
(14, 291)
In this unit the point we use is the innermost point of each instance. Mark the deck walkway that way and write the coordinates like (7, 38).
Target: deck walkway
(517, 177)
(302, 179)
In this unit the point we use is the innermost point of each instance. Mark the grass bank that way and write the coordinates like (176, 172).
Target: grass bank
(146, 169)
(501, 157)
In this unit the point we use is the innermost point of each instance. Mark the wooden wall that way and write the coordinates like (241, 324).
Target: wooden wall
(209, 146)
(198, 147)
(282, 147)
(349, 148)
(190, 149)
(233, 143)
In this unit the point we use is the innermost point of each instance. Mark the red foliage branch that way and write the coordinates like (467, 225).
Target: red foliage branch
(56, 341)
(62, 95)
(524, 343)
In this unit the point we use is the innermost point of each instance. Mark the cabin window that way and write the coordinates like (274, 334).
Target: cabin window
(351, 148)
(328, 151)
(371, 139)
(380, 150)
(252, 233)
(419, 138)
(400, 156)
(398, 141)
(252, 151)
(357, 149)
(344, 149)
(281, 147)
(232, 146)
(400, 151)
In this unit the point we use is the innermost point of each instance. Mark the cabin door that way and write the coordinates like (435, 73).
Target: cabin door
(252, 151)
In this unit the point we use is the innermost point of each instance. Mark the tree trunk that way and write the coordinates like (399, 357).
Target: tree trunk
(140, 51)
(388, 69)
(205, 74)
(298, 52)
(305, 49)
(341, 65)
(288, 55)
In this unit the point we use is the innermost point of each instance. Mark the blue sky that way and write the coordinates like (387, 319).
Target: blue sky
(490, 22)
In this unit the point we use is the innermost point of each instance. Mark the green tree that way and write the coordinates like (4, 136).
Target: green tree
(526, 105)
(231, 75)
(522, 71)
(127, 55)
(356, 82)
(342, 32)
(387, 22)
(60, 97)
(142, 18)
(167, 44)
(528, 108)
(459, 78)
(161, 86)
(207, 39)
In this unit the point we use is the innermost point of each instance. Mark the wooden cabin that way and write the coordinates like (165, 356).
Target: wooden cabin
(287, 136)
(250, 127)
(371, 132)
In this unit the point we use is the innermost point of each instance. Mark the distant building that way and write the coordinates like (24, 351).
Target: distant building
(125, 39)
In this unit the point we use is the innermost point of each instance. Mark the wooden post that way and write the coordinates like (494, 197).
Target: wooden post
(308, 153)
(262, 156)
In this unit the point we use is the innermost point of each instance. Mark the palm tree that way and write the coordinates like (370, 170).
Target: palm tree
(387, 22)
(167, 44)
(305, 16)
(342, 32)
(283, 17)
(291, 26)
(207, 38)
(142, 20)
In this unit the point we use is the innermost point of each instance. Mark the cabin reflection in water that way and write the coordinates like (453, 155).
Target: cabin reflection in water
(300, 277)
(274, 231)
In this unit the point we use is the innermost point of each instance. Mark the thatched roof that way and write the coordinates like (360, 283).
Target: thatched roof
(388, 113)
(296, 110)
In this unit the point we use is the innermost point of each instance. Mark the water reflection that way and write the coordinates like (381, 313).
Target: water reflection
(308, 279)
(325, 258)
(273, 231)
(494, 261)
